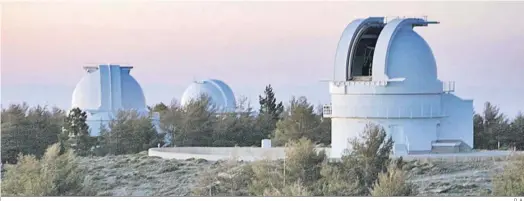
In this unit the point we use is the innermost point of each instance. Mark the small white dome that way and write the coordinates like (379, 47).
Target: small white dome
(219, 92)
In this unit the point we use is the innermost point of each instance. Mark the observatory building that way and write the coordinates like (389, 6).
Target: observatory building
(104, 91)
(385, 73)
(219, 93)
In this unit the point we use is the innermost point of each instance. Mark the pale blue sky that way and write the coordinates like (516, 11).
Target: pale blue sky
(479, 45)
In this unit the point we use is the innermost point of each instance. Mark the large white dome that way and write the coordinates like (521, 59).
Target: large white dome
(219, 92)
(108, 88)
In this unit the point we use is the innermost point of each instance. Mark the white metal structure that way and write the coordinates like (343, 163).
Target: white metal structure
(219, 92)
(385, 73)
(104, 91)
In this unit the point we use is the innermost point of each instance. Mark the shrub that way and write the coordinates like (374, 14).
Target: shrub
(295, 189)
(267, 175)
(229, 178)
(335, 181)
(392, 183)
(303, 162)
(511, 181)
(368, 156)
(54, 175)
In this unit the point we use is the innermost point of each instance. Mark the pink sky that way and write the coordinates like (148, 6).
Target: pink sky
(247, 44)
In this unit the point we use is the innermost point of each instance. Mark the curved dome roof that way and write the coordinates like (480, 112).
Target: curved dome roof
(219, 92)
(108, 88)
(397, 51)
(409, 56)
(400, 52)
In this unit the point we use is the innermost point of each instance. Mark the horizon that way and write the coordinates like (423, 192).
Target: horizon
(45, 46)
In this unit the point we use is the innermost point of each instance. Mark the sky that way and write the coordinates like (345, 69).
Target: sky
(290, 45)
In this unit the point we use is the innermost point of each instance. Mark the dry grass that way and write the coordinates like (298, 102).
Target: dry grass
(141, 175)
(511, 181)
(295, 189)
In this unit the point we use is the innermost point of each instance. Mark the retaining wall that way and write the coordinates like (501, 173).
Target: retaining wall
(274, 153)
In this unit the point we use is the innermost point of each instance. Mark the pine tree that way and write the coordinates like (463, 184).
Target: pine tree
(299, 121)
(28, 130)
(75, 133)
(492, 130)
(270, 111)
(160, 107)
(517, 131)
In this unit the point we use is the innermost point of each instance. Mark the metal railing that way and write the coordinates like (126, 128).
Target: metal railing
(448, 87)
(360, 83)
(389, 18)
(422, 111)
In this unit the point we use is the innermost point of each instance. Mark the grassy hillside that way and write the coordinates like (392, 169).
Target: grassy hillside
(140, 175)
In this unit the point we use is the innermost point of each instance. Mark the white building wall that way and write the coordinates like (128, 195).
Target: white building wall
(413, 134)
(386, 106)
(459, 123)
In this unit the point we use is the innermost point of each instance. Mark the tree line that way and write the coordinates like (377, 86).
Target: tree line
(30, 131)
(494, 130)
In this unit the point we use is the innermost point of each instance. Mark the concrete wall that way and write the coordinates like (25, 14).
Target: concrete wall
(257, 153)
(459, 123)
(222, 153)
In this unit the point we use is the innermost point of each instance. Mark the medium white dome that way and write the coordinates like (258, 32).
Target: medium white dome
(219, 92)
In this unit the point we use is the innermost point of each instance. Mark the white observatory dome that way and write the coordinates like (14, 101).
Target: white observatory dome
(219, 92)
(105, 90)
(385, 74)
(118, 91)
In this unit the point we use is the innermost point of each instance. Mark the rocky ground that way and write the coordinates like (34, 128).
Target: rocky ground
(140, 175)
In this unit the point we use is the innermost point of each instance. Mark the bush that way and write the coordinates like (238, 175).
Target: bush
(54, 175)
(295, 176)
(229, 178)
(336, 181)
(511, 181)
(303, 162)
(296, 189)
(306, 172)
(392, 183)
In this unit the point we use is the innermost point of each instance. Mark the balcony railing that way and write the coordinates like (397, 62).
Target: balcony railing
(448, 87)
(360, 83)
(389, 18)
(422, 111)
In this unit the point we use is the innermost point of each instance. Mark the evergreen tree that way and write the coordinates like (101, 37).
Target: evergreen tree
(160, 107)
(75, 133)
(478, 128)
(324, 135)
(494, 131)
(195, 127)
(298, 121)
(28, 130)
(236, 129)
(517, 131)
(128, 133)
(270, 111)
